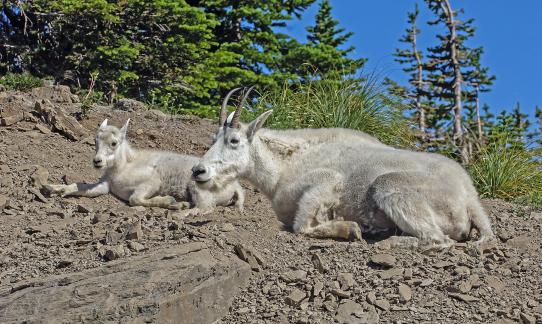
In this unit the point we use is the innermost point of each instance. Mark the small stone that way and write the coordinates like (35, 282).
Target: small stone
(174, 225)
(348, 312)
(407, 274)
(135, 246)
(527, 319)
(318, 263)
(463, 297)
(340, 293)
(4, 201)
(43, 129)
(112, 237)
(495, 283)
(383, 304)
(346, 280)
(443, 264)
(318, 287)
(134, 232)
(371, 298)
(426, 282)
(385, 260)
(100, 217)
(82, 208)
(64, 263)
(405, 293)
(243, 310)
(462, 270)
(38, 195)
(249, 255)
(390, 273)
(294, 276)
(536, 216)
(465, 287)
(40, 177)
(114, 252)
(228, 227)
(295, 297)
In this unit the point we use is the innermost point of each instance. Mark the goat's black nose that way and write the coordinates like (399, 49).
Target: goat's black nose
(97, 160)
(197, 170)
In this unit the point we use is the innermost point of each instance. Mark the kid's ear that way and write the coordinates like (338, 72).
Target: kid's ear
(257, 123)
(124, 128)
(103, 125)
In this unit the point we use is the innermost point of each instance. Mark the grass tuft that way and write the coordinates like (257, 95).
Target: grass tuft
(20, 81)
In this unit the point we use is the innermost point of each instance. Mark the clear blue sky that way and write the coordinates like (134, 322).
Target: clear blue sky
(509, 31)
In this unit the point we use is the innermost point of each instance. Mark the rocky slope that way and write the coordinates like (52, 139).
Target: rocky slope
(98, 260)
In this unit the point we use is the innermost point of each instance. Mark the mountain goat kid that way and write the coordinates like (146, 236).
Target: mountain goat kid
(329, 182)
(149, 178)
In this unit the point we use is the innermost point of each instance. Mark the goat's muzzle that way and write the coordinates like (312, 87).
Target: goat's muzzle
(98, 163)
(199, 173)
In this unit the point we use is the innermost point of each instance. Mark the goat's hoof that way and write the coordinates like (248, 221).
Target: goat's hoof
(355, 233)
(54, 189)
(179, 205)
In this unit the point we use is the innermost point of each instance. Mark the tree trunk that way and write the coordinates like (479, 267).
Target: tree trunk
(457, 135)
(478, 120)
(419, 83)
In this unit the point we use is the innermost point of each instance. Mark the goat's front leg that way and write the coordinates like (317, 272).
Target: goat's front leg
(79, 189)
(315, 213)
(141, 197)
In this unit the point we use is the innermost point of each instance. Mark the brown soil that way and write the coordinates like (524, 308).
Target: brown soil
(65, 235)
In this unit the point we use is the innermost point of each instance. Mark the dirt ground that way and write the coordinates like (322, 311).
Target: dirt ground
(302, 280)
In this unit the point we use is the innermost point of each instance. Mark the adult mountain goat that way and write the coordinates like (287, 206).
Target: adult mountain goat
(150, 178)
(331, 182)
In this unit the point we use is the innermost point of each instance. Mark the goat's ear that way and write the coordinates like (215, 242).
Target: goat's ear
(256, 124)
(124, 128)
(103, 125)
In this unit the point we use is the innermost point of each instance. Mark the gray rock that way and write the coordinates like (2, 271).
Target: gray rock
(136, 246)
(40, 177)
(317, 288)
(527, 319)
(346, 280)
(228, 227)
(194, 285)
(133, 231)
(294, 276)
(348, 312)
(114, 252)
(250, 256)
(82, 208)
(405, 293)
(130, 105)
(463, 297)
(318, 263)
(99, 217)
(38, 195)
(383, 304)
(4, 201)
(385, 260)
(295, 297)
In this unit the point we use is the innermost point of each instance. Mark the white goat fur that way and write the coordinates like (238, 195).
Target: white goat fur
(326, 182)
(150, 178)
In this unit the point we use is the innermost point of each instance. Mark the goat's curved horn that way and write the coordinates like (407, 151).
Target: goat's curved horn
(235, 120)
(223, 110)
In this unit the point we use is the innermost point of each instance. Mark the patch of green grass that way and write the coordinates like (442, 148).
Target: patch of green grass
(507, 172)
(360, 104)
(20, 81)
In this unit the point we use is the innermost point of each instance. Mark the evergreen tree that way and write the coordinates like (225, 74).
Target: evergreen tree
(323, 54)
(412, 58)
(451, 64)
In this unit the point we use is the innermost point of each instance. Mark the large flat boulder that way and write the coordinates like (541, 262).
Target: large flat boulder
(182, 284)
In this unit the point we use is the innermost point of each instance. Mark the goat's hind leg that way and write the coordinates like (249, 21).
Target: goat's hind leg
(397, 195)
(140, 197)
(79, 189)
(314, 216)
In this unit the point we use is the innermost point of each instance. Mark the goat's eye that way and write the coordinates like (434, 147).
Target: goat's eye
(234, 141)
(113, 144)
